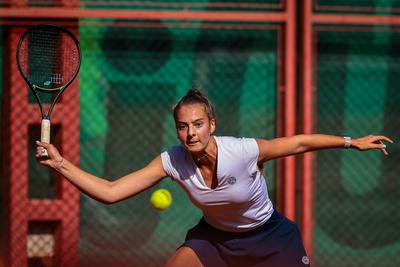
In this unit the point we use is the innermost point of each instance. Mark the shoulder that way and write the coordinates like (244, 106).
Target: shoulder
(174, 152)
(239, 147)
(175, 149)
(237, 142)
(176, 161)
(239, 150)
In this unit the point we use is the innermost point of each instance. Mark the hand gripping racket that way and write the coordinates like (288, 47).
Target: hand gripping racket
(49, 59)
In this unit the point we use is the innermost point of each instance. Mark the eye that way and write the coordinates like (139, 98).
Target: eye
(198, 124)
(181, 127)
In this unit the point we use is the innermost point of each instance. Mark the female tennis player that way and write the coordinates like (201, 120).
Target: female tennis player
(223, 177)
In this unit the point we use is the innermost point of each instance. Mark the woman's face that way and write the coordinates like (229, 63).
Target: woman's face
(194, 128)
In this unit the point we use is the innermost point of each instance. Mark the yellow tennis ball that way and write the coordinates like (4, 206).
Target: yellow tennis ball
(161, 199)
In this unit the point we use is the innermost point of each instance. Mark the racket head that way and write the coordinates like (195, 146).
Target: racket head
(48, 57)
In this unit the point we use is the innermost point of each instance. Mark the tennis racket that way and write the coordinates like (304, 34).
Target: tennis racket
(49, 59)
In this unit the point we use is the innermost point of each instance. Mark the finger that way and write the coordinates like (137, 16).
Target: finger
(39, 157)
(45, 145)
(44, 162)
(383, 148)
(39, 145)
(41, 153)
(389, 140)
(40, 150)
(384, 138)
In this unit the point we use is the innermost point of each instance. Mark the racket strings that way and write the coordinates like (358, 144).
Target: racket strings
(49, 57)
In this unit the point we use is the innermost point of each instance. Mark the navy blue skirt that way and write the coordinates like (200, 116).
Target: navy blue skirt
(277, 243)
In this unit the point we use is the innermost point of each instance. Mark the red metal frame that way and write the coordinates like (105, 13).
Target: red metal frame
(355, 9)
(134, 24)
(355, 19)
(157, 4)
(74, 13)
(290, 79)
(307, 105)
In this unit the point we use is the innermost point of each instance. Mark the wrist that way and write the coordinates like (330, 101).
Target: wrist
(347, 142)
(59, 164)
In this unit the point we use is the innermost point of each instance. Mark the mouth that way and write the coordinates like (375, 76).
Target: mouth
(191, 143)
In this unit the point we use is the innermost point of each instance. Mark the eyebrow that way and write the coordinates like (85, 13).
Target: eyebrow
(198, 120)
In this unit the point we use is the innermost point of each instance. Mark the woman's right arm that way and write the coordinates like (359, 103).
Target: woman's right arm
(98, 188)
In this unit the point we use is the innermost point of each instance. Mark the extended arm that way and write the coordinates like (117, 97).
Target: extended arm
(286, 146)
(98, 188)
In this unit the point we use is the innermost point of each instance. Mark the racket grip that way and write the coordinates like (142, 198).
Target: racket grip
(45, 134)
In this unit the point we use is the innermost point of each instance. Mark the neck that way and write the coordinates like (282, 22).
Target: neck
(208, 155)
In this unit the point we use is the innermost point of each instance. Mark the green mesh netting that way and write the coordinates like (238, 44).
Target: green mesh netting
(357, 193)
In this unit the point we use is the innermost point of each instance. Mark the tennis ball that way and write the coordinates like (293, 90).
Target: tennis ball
(161, 199)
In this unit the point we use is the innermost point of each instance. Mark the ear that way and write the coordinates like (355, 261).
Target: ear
(213, 125)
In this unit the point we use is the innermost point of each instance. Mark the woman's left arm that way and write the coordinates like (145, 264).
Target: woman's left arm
(286, 146)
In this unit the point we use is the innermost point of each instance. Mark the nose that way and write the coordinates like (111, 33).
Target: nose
(191, 131)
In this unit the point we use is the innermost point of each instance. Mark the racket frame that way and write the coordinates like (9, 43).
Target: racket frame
(45, 124)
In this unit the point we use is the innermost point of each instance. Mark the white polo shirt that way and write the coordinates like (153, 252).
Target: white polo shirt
(240, 202)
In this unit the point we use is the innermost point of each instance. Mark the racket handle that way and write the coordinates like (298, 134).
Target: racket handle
(45, 134)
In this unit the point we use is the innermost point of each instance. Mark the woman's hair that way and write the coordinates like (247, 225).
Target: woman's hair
(194, 96)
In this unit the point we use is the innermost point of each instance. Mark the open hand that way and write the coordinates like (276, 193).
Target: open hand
(372, 142)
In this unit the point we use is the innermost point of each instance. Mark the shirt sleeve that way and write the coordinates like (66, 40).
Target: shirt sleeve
(250, 152)
(167, 158)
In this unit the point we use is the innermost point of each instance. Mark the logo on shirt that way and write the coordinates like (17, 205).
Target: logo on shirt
(305, 260)
(231, 180)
